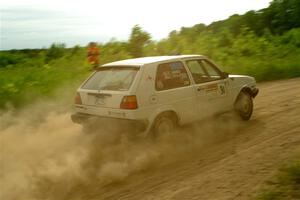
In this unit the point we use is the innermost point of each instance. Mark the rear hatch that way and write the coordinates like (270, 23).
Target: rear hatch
(107, 86)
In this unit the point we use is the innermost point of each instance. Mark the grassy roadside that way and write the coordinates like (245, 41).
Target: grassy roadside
(21, 85)
(27, 75)
(285, 185)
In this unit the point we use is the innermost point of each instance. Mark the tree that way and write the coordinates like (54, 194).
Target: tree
(56, 50)
(137, 41)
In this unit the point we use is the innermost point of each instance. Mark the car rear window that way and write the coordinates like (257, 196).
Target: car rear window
(111, 78)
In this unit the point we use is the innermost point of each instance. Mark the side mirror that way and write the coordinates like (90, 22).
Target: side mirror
(224, 75)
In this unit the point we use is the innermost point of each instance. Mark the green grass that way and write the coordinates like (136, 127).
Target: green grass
(28, 75)
(263, 69)
(22, 85)
(286, 184)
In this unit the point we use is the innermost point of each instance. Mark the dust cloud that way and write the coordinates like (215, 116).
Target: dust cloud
(46, 156)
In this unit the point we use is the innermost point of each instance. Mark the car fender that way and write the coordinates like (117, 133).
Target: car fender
(158, 111)
(249, 87)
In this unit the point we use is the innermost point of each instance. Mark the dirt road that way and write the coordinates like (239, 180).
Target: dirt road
(223, 158)
(233, 166)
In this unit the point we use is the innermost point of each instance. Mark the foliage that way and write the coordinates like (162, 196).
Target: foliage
(286, 184)
(138, 39)
(54, 52)
(32, 77)
(279, 17)
(113, 51)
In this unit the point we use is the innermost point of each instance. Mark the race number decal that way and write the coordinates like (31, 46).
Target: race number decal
(222, 90)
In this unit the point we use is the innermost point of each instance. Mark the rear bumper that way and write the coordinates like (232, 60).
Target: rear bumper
(110, 123)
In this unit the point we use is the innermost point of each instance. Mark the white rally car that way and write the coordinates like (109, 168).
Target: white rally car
(154, 94)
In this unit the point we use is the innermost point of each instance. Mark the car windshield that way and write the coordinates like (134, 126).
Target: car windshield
(111, 78)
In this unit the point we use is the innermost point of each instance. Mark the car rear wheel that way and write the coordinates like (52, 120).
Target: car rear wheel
(244, 105)
(164, 124)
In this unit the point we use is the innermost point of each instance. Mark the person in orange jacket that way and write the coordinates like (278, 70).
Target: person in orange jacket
(93, 54)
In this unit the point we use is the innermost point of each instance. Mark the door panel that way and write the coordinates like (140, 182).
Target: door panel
(207, 98)
(211, 90)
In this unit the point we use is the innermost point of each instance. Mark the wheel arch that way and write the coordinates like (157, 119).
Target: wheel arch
(164, 111)
(170, 113)
(246, 89)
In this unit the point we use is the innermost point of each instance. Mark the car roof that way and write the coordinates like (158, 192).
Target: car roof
(148, 60)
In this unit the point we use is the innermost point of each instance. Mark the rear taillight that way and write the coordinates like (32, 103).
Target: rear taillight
(78, 99)
(129, 102)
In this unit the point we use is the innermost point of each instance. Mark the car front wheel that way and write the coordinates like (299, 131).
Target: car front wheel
(244, 105)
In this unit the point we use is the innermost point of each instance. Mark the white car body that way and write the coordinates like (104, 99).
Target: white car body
(190, 102)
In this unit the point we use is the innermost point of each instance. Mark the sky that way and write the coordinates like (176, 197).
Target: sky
(39, 23)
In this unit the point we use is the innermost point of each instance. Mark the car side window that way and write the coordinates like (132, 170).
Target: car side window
(203, 71)
(213, 72)
(197, 70)
(171, 75)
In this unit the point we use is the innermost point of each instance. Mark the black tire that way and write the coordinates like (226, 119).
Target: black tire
(164, 124)
(244, 105)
